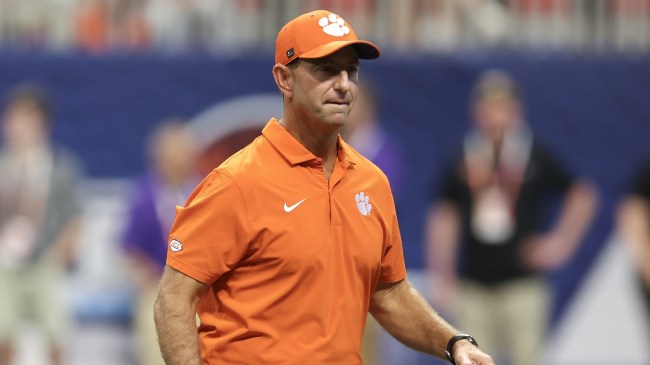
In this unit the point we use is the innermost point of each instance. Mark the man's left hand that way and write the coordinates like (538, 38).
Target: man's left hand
(465, 353)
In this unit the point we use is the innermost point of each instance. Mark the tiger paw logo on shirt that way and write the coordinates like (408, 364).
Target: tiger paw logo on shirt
(363, 203)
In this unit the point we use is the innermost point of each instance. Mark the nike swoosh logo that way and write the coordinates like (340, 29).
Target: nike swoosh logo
(290, 208)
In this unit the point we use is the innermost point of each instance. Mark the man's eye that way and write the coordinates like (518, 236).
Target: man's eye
(326, 69)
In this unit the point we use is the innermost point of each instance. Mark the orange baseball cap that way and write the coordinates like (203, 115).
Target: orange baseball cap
(318, 34)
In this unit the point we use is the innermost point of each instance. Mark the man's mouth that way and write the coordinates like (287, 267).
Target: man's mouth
(338, 102)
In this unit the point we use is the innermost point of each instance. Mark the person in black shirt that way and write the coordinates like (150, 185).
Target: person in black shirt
(486, 245)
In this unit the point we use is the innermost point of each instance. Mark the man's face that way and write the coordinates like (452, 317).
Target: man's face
(175, 155)
(325, 89)
(23, 125)
(496, 115)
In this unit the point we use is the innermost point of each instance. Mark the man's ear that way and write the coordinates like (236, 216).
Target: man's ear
(284, 79)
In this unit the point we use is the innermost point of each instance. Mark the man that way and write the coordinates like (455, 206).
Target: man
(168, 182)
(39, 223)
(492, 201)
(285, 247)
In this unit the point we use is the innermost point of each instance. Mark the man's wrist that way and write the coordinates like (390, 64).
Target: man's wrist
(452, 343)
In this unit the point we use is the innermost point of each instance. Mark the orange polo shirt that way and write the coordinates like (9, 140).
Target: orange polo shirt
(291, 258)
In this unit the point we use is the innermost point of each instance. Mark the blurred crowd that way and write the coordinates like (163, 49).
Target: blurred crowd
(226, 26)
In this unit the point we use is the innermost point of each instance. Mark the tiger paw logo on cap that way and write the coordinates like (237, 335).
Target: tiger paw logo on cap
(334, 25)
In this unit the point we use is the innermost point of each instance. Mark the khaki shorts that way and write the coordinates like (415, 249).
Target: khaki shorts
(33, 293)
(508, 319)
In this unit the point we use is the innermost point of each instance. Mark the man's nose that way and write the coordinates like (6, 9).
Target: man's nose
(342, 81)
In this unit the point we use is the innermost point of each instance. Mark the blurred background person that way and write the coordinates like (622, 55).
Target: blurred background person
(130, 30)
(168, 182)
(489, 220)
(634, 226)
(91, 26)
(39, 222)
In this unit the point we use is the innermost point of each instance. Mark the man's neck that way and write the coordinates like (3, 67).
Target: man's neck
(321, 142)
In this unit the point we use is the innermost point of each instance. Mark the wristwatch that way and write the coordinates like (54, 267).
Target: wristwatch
(452, 342)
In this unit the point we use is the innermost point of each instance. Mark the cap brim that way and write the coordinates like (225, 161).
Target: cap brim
(366, 50)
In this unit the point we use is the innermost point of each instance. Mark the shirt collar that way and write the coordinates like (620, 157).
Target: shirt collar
(294, 151)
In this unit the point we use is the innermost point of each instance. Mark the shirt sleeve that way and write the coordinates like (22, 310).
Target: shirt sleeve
(211, 233)
(555, 176)
(393, 267)
(451, 188)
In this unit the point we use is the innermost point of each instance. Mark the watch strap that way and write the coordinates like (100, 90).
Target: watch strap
(452, 342)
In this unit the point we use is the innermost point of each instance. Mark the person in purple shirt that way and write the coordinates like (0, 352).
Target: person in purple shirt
(167, 183)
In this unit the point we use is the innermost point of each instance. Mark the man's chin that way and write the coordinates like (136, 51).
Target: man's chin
(339, 118)
(337, 122)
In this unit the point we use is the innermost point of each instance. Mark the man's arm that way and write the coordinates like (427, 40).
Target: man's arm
(443, 235)
(66, 243)
(633, 224)
(175, 316)
(552, 250)
(402, 311)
